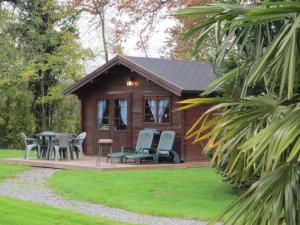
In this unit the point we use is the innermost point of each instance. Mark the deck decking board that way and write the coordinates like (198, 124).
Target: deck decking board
(89, 163)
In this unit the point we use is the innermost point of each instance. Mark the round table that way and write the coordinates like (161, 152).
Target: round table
(50, 135)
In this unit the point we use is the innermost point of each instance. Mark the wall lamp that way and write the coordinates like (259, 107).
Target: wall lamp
(130, 82)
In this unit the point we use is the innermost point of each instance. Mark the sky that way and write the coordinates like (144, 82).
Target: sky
(90, 37)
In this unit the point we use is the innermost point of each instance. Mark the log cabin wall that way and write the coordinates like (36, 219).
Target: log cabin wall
(114, 83)
(155, 78)
(193, 151)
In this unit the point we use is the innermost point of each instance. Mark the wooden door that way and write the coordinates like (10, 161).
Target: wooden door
(114, 119)
(120, 127)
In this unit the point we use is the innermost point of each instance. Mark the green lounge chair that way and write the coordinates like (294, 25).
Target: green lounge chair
(144, 141)
(164, 150)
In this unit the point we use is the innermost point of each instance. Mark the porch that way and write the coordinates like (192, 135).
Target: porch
(89, 163)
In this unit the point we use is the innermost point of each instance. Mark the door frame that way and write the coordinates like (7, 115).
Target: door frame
(111, 131)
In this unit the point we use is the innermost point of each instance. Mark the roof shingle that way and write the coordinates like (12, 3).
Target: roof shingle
(187, 75)
(177, 76)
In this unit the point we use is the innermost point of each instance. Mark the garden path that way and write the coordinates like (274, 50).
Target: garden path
(30, 186)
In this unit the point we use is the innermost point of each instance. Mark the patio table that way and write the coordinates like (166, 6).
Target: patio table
(51, 136)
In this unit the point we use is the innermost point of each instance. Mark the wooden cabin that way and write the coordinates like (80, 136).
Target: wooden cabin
(128, 94)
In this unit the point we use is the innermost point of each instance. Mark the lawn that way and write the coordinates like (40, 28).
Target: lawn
(16, 212)
(12, 153)
(186, 193)
(7, 171)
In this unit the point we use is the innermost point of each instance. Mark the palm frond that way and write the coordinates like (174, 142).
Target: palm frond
(254, 132)
(277, 22)
(266, 199)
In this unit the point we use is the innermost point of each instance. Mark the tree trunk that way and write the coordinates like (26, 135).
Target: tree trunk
(102, 25)
(43, 116)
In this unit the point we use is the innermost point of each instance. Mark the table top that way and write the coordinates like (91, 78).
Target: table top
(105, 141)
(47, 134)
(52, 134)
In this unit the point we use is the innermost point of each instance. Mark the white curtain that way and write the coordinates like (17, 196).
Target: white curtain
(123, 109)
(162, 105)
(152, 105)
(101, 110)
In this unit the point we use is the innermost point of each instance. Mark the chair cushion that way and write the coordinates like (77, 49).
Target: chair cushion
(137, 156)
(146, 151)
(162, 152)
(117, 154)
(105, 141)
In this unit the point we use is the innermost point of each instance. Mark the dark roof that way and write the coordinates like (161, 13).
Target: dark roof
(177, 76)
(187, 75)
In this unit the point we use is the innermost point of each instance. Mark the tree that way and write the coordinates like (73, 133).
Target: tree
(147, 14)
(15, 100)
(40, 57)
(98, 9)
(45, 31)
(256, 131)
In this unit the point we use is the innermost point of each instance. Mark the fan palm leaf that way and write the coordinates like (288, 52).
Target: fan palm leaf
(277, 41)
(266, 200)
(254, 131)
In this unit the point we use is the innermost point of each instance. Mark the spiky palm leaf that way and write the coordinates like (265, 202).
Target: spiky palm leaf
(257, 133)
(265, 39)
(260, 131)
(274, 199)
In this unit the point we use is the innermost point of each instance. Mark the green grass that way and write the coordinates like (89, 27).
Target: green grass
(16, 212)
(12, 153)
(7, 171)
(186, 193)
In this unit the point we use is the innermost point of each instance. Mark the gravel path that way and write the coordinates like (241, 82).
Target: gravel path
(30, 186)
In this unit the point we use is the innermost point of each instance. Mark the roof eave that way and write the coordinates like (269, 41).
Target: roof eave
(150, 75)
(131, 65)
(192, 91)
(73, 88)
(216, 92)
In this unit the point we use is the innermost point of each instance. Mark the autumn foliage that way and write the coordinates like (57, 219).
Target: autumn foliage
(145, 15)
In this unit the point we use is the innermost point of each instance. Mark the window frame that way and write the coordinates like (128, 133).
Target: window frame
(170, 111)
(157, 98)
(109, 114)
(114, 114)
(144, 108)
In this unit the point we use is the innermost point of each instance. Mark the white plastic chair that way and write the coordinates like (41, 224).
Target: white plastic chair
(31, 143)
(77, 144)
(63, 143)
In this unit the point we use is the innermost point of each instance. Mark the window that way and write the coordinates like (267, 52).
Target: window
(150, 110)
(103, 114)
(121, 110)
(157, 110)
(163, 110)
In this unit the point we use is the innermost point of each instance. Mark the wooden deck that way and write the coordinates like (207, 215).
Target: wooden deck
(89, 163)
